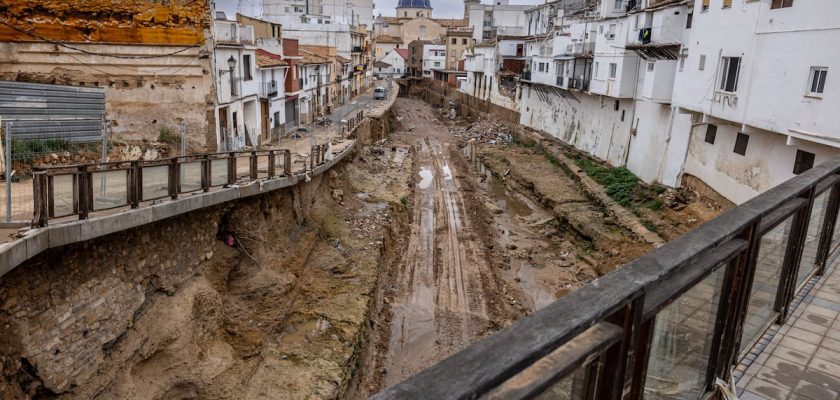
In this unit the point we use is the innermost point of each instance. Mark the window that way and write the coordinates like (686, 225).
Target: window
(611, 33)
(804, 161)
(817, 81)
(618, 4)
(730, 67)
(277, 119)
(650, 67)
(464, 41)
(246, 65)
(689, 20)
(741, 143)
(613, 70)
(683, 57)
(702, 65)
(596, 69)
(711, 133)
(616, 105)
(727, 3)
(705, 5)
(454, 41)
(781, 4)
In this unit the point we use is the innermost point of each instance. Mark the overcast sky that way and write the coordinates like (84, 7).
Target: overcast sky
(443, 8)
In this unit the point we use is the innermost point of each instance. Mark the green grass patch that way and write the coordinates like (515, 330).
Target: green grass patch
(168, 137)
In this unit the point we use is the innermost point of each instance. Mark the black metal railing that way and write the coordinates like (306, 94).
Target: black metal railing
(665, 325)
(66, 191)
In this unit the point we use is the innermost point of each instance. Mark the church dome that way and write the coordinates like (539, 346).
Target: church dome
(415, 4)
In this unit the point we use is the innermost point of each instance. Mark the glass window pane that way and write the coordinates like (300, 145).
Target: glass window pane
(765, 286)
(110, 189)
(682, 342)
(570, 387)
(63, 195)
(218, 172)
(191, 176)
(155, 182)
(812, 241)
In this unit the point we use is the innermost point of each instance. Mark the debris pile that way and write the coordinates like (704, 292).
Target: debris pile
(484, 131)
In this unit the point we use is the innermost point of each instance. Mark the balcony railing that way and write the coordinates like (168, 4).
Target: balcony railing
(579, 84)
(268, 89)
(560, 80)
(667, 324)
(357, 49)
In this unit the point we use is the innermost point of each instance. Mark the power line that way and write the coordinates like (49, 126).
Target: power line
(138, 57)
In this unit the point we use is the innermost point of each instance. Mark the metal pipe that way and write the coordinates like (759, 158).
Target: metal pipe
(8, 137)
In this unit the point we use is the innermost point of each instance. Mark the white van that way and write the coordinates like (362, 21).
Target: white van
(379, 93)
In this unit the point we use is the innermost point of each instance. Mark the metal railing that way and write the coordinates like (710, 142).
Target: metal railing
(268, 89)
(65, 191)
(579, 84)
(665, 325)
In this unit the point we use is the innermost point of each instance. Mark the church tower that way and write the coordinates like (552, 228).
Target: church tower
(414, 9)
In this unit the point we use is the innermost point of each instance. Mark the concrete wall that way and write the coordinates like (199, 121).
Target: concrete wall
(435, 93)
(592, 125)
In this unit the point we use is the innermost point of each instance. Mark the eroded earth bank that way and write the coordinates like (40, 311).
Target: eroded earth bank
(425, 241)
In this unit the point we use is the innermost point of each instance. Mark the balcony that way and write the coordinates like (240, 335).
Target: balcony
(268, 89)
(579, 84)
(670, 323)
(357, 49)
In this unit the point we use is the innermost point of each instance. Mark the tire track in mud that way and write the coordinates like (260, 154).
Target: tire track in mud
(439, 306)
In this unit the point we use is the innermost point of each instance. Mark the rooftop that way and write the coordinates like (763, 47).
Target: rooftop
(415, 4)
(269, 60)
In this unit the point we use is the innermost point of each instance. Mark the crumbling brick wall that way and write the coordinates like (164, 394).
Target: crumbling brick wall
(151, 56)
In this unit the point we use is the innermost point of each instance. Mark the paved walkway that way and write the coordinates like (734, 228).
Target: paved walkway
(800, 360)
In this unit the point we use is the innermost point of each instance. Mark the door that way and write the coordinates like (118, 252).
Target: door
(224, 143)
(266, 137)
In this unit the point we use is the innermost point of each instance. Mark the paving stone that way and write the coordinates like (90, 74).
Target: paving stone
(815, 392)
(767, 390)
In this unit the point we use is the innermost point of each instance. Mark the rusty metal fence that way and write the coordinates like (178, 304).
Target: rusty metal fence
(667, 325)
(80, 190)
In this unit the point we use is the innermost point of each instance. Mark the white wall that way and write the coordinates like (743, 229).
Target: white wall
(592, 125)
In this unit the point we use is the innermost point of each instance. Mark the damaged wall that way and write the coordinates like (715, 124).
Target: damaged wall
(151, 57)
(168, 310)
(468, 106)
(595, 124)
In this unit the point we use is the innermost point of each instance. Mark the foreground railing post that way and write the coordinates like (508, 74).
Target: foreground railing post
(312, 154)
(287, 163)
(135, 183)
(174, 179)
(85, 192)
(253, 166)
(206, 178)
(617, 358)
(231, 173)
(41, 199)
(828, 229)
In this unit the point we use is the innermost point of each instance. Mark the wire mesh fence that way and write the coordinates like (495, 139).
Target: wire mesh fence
(22, 153)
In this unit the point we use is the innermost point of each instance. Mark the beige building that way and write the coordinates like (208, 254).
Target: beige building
(457, 40)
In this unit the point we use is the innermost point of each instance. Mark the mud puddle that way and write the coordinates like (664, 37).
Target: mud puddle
(539, 264)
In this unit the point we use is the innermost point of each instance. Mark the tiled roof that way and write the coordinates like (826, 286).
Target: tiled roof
(389, 39)
(403, 53)
(381, 64)
(312, 58)
(414, 4)
(452, 23)
(342, 60)
(268, 60)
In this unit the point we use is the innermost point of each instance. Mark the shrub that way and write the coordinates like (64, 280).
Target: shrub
(168, 137)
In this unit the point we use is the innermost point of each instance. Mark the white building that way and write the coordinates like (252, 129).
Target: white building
(237, 86)
(273, 71)
(396, 64)
(434, 57)
(497, 19)
(349, 12)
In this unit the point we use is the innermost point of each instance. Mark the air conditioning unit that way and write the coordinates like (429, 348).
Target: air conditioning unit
(610, 36)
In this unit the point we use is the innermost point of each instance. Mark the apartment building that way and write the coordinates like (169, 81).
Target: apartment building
(497, 19)
(237, 86)
(434, 57)
(355, 12)
(680, 92)
(457, 40)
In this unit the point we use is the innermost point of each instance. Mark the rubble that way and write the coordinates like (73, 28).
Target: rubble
(484, 131)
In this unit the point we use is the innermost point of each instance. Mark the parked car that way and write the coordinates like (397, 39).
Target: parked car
(379, 93)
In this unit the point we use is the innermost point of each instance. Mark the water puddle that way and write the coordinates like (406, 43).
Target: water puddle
(427, 177)
(534, 258)
(370, 205)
